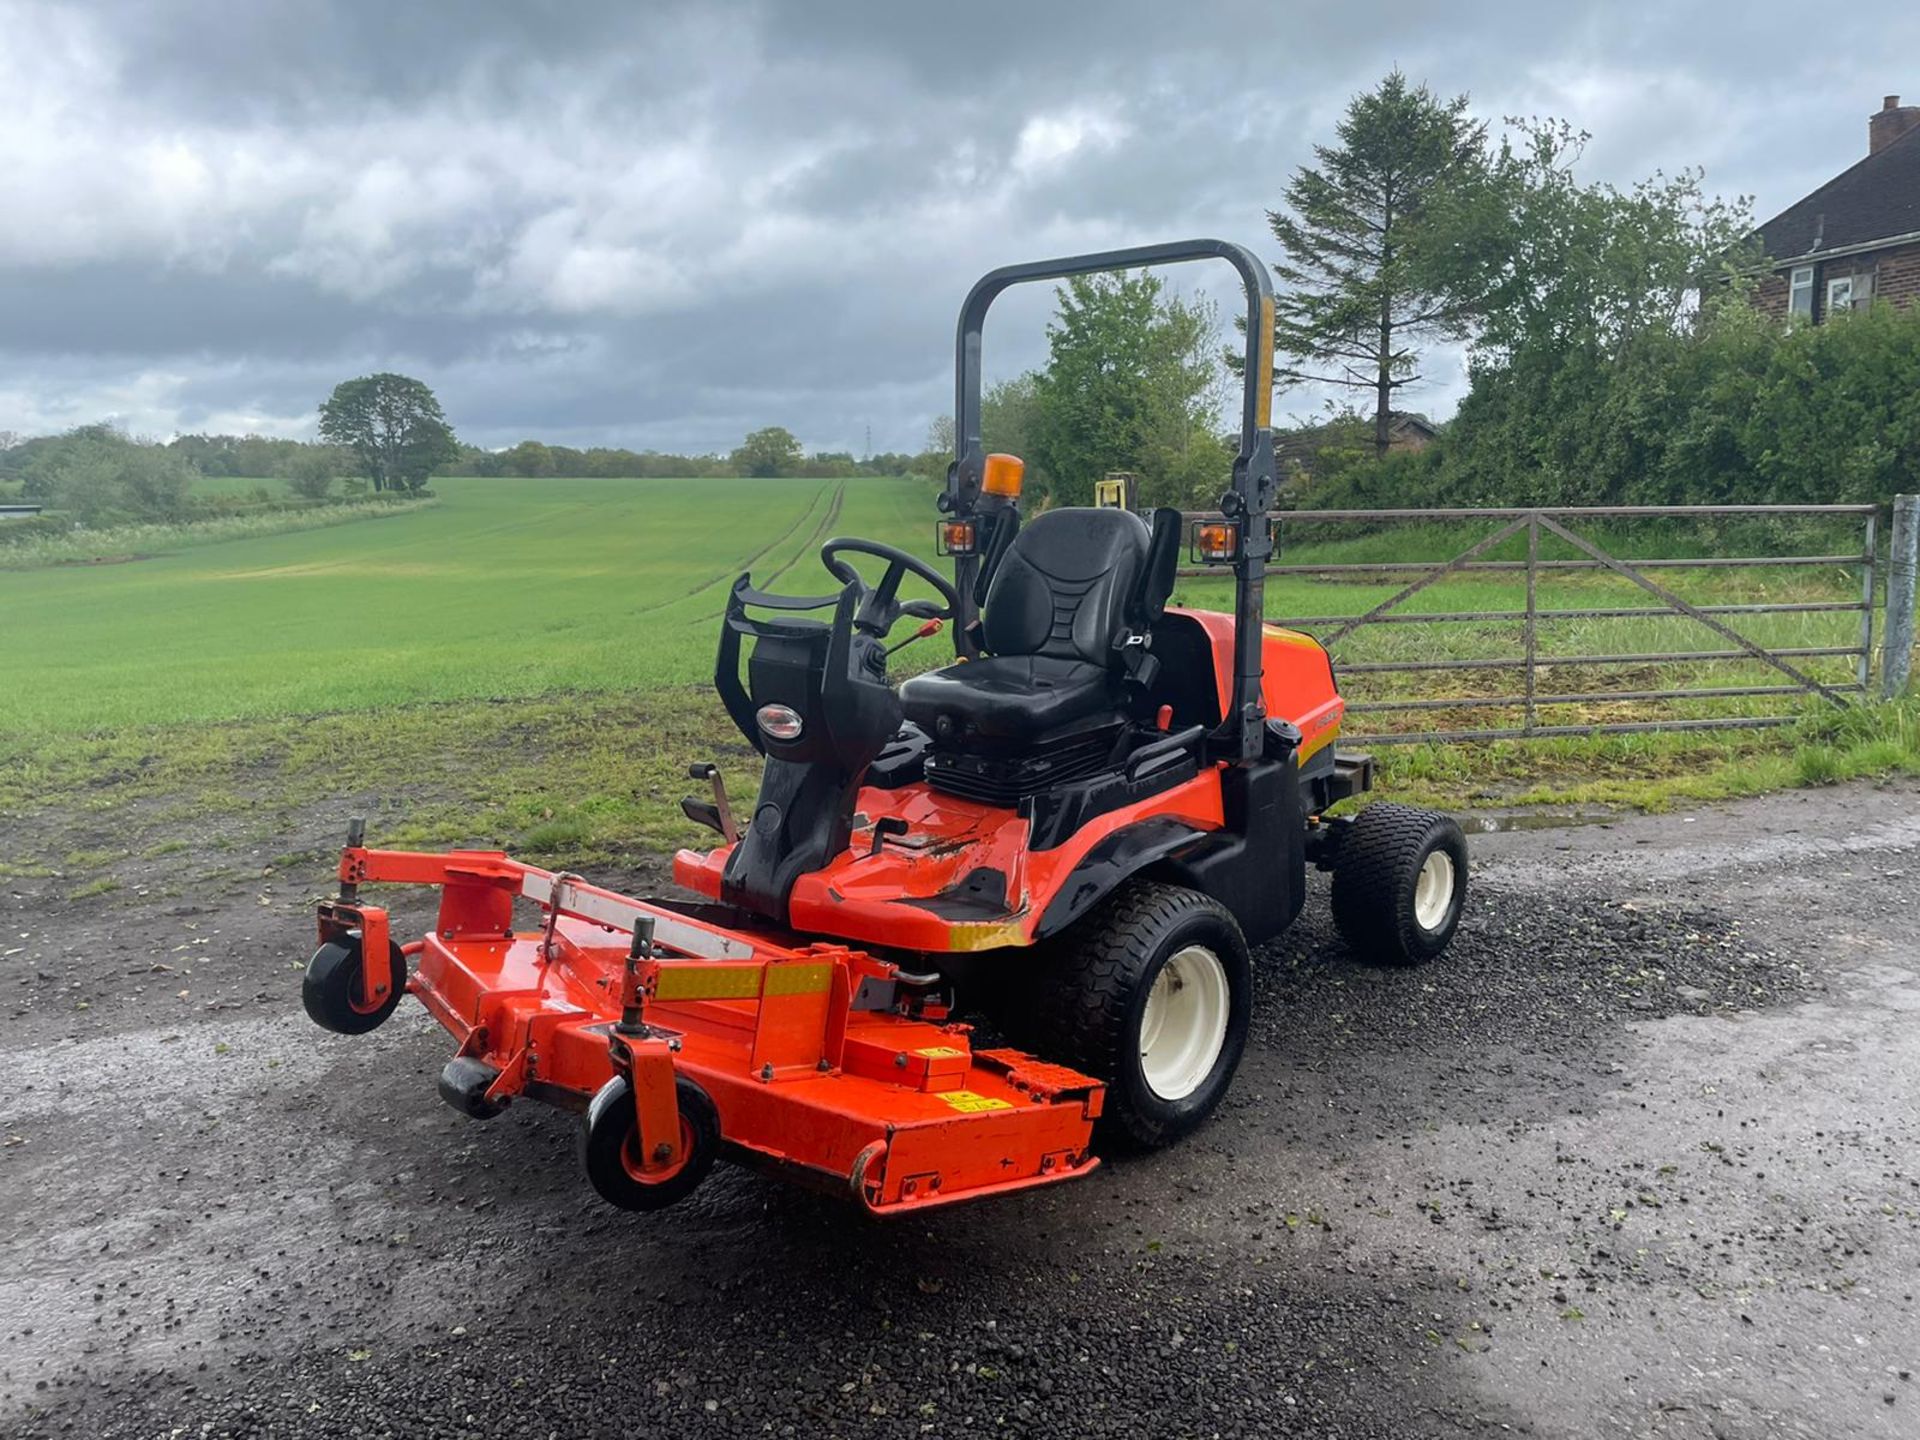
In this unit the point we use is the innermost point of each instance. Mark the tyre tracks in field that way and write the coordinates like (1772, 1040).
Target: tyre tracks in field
(737, 567)
(822, 528)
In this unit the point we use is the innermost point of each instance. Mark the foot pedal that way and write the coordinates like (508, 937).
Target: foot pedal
(464, 1085)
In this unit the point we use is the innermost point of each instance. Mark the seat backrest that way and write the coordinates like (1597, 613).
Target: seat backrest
(1064, 586)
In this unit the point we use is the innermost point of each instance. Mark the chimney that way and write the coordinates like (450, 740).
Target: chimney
(1892, 121)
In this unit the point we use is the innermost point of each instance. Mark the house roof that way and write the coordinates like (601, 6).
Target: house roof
(1876, 199)
(1303, 444)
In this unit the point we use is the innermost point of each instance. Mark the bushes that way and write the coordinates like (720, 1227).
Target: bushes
(60, 544)
(1737, 409)
(312, 472)
(100, 477)
(29, 528)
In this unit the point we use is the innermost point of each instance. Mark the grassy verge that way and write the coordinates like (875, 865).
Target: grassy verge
(575, 777)
(1656, 772)
(127, 542)
(592, 779)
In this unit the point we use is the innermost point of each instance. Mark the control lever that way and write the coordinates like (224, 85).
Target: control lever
(707, 770)
(883, 827)
(932, 627)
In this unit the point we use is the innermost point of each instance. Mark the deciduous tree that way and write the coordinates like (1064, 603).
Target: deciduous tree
(1132, 382)
(394, 427)
(770, 451)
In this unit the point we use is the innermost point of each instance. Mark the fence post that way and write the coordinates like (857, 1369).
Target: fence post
(1896, 656)
(1533, 621)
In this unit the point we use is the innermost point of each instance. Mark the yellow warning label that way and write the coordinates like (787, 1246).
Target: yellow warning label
(968, 1103)
(939, 1052)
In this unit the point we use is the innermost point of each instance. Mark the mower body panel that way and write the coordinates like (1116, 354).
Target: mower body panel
(1297, 684)
(962, 876)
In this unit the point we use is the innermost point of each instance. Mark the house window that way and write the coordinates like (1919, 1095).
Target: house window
(1840, 294)
(1800, 293)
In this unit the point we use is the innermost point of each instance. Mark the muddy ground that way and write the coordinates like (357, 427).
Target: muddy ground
(1636, 1158)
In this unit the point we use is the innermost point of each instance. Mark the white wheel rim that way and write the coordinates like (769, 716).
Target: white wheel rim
(1183, 1028)
(1433, 891)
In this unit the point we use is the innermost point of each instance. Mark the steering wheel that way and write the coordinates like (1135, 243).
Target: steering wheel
(880, 607)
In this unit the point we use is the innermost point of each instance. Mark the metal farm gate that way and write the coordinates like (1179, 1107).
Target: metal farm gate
(1535, 669)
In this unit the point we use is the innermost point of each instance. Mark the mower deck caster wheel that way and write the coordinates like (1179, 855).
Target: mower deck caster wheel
(610, 1146)
(1399, 883)
(334, 990)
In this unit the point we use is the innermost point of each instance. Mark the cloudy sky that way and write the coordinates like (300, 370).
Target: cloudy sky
(655, 224)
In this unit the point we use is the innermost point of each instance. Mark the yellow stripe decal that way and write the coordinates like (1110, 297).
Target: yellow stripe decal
(799, 979)
(1292, 637)
(1310, 748)
(1263, 399)
(985, 935)
(707, 982)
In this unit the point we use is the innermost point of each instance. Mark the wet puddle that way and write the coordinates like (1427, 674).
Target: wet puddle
(1534, 820)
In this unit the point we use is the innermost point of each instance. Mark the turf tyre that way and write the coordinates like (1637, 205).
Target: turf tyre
(1379, 903)
(1092, 994)
(334, 987)
(609, 1138)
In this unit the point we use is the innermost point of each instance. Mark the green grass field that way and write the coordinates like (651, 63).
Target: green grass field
(516, 587)
(581, 598)
(503, 588)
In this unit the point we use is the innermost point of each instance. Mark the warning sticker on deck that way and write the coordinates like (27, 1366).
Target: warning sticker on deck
(939, 1052)
(968, 1103)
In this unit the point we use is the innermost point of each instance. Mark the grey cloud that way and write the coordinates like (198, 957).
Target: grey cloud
(612, 222)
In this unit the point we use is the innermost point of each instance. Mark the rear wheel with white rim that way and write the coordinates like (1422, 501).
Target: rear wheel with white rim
(1150, 994)
(1399, 883)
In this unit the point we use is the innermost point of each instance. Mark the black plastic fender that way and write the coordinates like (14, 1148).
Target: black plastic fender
(1114, 860)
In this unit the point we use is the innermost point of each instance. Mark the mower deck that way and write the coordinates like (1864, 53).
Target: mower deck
(821, 1061)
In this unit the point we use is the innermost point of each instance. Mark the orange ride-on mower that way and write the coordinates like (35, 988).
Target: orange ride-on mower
(1078, 830)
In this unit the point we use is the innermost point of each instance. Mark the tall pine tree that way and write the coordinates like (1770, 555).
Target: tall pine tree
(1363, 289)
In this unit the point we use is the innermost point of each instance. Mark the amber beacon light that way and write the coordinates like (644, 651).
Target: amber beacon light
(1003, 476)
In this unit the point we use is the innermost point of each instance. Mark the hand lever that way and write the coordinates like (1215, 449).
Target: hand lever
(707, 770)
(883, 827)
(932, 627)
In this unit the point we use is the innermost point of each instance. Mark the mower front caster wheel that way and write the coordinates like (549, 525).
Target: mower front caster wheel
(610, 1146)
(1399, 883)
(334, 990)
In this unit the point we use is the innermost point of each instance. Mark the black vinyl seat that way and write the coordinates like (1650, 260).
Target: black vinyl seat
(1057, 606)
(1009, 697)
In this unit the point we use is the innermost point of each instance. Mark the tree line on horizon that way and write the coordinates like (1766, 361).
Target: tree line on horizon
(100, 475)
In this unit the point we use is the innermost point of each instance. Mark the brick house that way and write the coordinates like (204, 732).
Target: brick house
(1856, 239)
(1299, 452)
(1410, 430)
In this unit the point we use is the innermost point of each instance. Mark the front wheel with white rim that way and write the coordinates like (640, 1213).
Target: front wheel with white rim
(1149, 994)
(1399, 883)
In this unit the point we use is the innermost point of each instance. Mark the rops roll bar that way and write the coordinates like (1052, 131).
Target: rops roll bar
(1248, 500)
